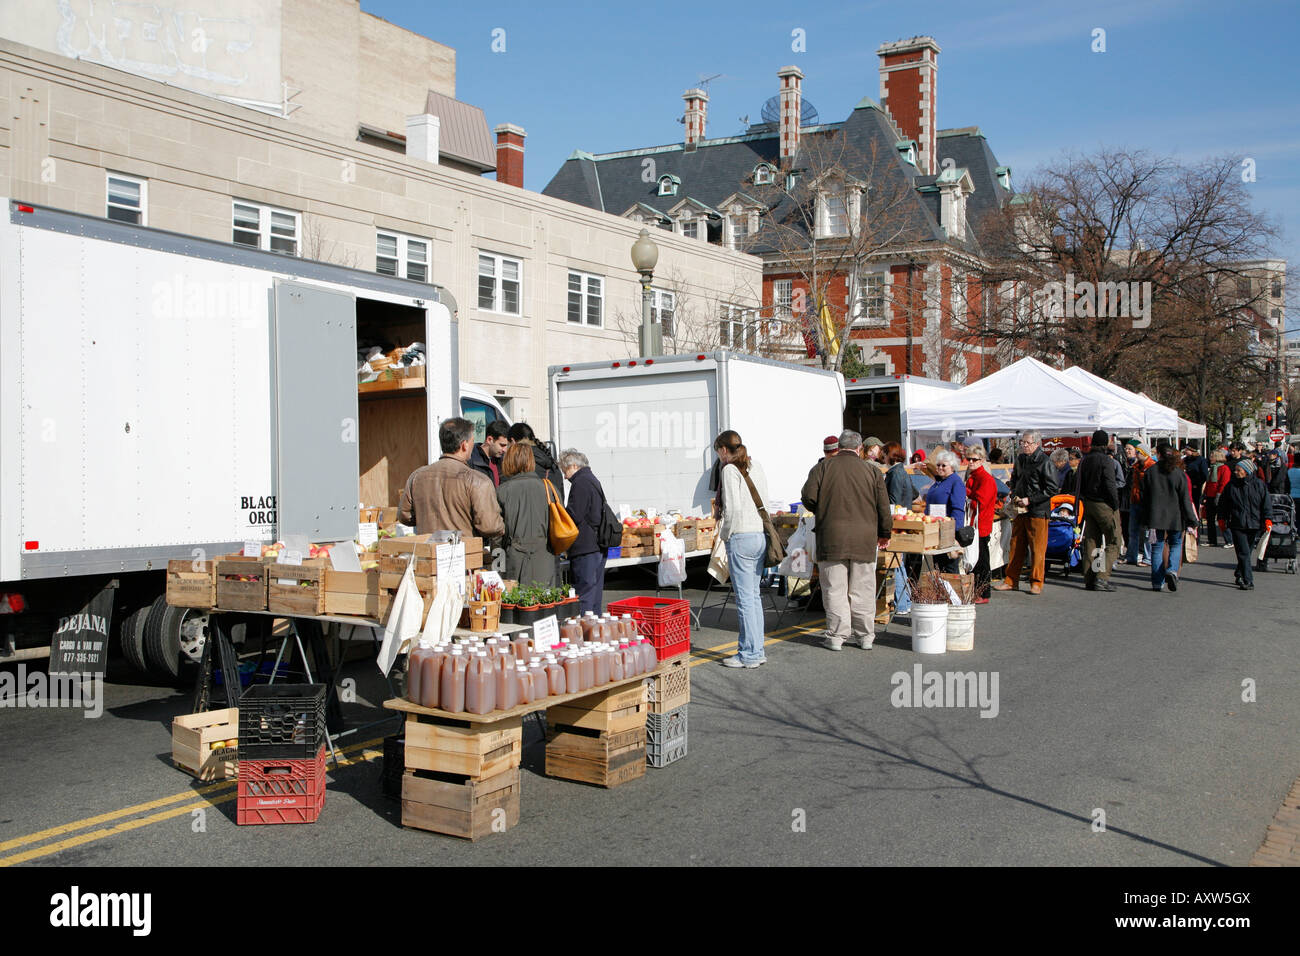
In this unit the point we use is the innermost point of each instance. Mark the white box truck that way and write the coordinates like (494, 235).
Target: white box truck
(163, 396)
(647, 425)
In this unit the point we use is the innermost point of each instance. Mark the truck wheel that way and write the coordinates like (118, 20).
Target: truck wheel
(132, 635)
(174, 638)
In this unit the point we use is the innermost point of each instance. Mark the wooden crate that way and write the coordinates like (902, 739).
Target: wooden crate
(912, 535)
(193, 737)
(704, 539)
(611, 712)
(192, 584)
(885, 597)
(386, 596)
(392, 580)
(234, 595)
(670, 689)
(468, 809)
(963, 584)
(472, 750)
(606, 760)
(352, 592)
(305, 595)
(638, 552)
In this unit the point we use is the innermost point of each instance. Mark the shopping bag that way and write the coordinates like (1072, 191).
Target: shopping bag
(403, 621)
(672, 560)
(800, 549)
(561, 530)
(971, 553)
(718, 562)
(1190, 546)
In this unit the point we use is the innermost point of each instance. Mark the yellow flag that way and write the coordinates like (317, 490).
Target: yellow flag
(829, 334)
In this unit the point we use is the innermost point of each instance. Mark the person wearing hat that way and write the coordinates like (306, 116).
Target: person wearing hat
(873, 449)
(1243, 508)
(830, 446)
(1100, 497)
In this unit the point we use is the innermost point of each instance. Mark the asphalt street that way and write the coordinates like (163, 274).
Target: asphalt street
(1127, 704)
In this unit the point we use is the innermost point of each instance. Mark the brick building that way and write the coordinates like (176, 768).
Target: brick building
(873, 222)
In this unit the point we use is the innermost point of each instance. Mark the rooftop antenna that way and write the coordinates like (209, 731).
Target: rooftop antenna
(706, 80)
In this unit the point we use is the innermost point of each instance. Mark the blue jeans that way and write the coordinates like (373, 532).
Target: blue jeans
(745, 557)
(1137, 536)
(1158, 569)
(902, 599)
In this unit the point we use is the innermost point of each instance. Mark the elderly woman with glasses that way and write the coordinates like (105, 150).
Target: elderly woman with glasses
(947, 496)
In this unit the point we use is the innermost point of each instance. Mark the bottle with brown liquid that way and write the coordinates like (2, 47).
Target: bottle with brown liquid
(588, 669)
(524, 681)
(452, 691)
(601, 656)
(541, 685)
(431, 676)
(555, 676)
(573, 672)
(507, 683)
(413, 662)
(480, 684)
(616, 671)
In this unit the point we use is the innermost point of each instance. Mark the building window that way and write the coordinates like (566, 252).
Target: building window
(1243, 287)
(734, 332)
(791, 180)
(762, 175)
(499, 282)
(127, 199)
(586, 299)
(783, 299)
(691, 229)
(869, 300)
(405, 257)
(1277, 288)
(265, 227)
(668, 185)
(662, 306)
(837, 215)
(740, 227)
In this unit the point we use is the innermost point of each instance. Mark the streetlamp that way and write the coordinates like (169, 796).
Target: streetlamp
(644, 256)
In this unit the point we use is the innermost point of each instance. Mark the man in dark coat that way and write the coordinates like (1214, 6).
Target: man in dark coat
(1096, 488)
(486, 457)
(586, 506)
(1167, 511)
(1033, 482)
(1243, 508)
(847, 496)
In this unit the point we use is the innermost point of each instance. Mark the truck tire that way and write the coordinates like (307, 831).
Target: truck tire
(132, 636)
(174, 639)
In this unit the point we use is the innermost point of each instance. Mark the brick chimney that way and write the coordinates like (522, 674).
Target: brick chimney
(697, 112)
(791, 94)
(510, 154)
(909, 72)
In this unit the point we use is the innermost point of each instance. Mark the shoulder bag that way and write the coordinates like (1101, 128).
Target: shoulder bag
(775, 552)
(560, 527)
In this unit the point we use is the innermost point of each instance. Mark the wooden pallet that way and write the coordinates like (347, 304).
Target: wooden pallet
(605, 760)
(467, 809)
(476, 751)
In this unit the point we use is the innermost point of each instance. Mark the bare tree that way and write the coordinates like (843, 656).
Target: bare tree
(316, 245)
(694, 318)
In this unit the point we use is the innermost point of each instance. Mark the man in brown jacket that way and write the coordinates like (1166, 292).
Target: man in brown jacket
(848, 498)
(449, 495)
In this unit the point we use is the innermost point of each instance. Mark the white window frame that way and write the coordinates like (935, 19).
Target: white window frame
(694, 224)
(586, 296)
(667, 185)
(841, 198)
(403, 249)
(264, 216)
(783, 299)
(733, 318)
(663, 302)
(498, 280)
(737, 215)
(763, 175)
(862, 292)
(109, 205)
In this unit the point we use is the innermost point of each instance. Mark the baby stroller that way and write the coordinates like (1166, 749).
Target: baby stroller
(1064, 534)
(1281, 539)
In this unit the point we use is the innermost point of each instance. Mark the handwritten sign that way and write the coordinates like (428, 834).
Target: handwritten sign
(367, 533)
(546, 634)
(289, 556)
(252, 549)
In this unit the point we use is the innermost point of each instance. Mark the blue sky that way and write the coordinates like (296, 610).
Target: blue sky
(1187, 79)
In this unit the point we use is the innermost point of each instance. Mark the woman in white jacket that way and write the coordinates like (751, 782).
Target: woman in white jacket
(741, 530)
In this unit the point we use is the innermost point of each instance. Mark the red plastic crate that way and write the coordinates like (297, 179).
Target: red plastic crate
(665, 621)
(280, 791)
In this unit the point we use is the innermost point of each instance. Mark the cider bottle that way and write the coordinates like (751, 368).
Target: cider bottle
(452, 691)
(480, 685)
(588, 670)
(507, 684)
(601, 656)
(413, 662)
(616, 670)
(573, 672)
(555, 676)
(524, 681)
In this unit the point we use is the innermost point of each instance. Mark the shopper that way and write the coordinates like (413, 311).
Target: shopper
(847, 496)
(524, 508)
(830, 446)
(486, 457)
(1167, 511)
(1127, 460)
(1100, 498)
(543, 464)
(586, 506)
(902, 492)
(741, 530)
(1280, 483)
(1243, 508)
(449, 495)
(873, 449)
(1219, 476)
(982, 501)
(1198, 470)
(1061, 462)
(947, 497)
(1139, 548)
(1033, 482)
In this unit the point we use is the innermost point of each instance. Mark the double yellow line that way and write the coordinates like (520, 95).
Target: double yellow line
(68, 835)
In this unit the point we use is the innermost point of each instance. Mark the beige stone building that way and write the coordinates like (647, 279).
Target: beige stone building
(311, 128)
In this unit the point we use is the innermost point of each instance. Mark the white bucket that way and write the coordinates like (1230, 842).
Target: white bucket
(929, 628)
(961, 627)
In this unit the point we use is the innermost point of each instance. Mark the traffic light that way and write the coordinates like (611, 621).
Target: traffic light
(1268, 420)
(1279, 398)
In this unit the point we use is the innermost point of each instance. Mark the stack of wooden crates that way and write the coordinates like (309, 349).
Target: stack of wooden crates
(599, 739)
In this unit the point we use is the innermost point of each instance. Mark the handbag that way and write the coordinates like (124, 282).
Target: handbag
(560, 527)
(775, 552)
(1190, 546)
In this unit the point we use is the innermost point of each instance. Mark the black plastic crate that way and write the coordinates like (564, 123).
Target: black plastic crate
(665, 737)
(394, 766)
(281, 721)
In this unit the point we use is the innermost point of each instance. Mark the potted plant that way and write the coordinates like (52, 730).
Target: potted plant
(546, 598)
(527, 606)
(509, 602)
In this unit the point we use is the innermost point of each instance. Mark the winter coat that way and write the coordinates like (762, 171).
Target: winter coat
(1097, 478)
(899, 484)
(528, 520)
(982, 493)
(479, 462)
(545, 467)
(1167, 500)
(586, 506)
(951, 493)
(449, 495)
(1033, 477)
(1243, 505)
(848, 497)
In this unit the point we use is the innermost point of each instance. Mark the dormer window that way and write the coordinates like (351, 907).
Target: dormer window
(1004, 177)
(907, 149)
(791, 180)
(763, 175)
(668, 184)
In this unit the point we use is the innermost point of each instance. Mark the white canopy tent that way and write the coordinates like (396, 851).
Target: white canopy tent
(1157, 418)
(1188, 429)
(1023, 396)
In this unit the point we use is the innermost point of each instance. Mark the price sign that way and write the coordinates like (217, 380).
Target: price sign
(546, 634)
(624, 512)
(289, 556)
(252, 549)
(939, 511)
(367, 533)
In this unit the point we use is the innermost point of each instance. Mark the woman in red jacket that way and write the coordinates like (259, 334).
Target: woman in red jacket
(982, 495)
(1220, 475)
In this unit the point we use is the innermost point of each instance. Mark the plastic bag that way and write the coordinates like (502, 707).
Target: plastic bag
(800, 550)
(718, 567)
(672, 560)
